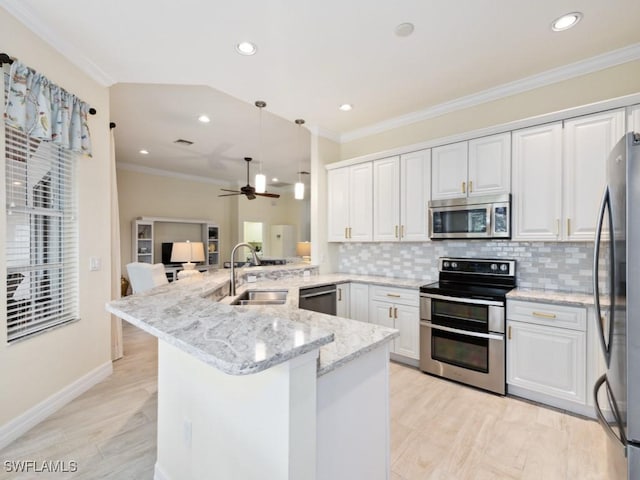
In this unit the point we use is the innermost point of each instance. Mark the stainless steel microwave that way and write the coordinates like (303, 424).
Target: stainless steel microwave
(475, 217)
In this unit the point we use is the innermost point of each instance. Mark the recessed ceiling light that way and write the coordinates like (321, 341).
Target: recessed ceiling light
(566, 21)
(274, 179)
(204, 119)
(345, 107)
(144, 152)
(404, 29)
(246, 48)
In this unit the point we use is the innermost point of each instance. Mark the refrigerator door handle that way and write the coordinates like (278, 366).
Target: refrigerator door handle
(614, 409)
(605, 205)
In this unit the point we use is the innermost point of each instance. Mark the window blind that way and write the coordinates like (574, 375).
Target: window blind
(41, 235)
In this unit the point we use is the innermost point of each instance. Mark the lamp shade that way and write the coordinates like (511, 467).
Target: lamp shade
(303, 249)
(261, 183)
(187, 252)
(299, 191)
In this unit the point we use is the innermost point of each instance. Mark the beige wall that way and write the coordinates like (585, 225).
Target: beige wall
(147, 195)
(603, 85)
(36, 368)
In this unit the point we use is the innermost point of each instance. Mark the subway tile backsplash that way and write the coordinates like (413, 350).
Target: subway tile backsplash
(559, 266)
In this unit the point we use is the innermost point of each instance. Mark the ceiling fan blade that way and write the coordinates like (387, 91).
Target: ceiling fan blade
(227, 190)
(230, 194)
(270, 195)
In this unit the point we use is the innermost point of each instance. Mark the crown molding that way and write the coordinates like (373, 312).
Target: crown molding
(323, 132)
(583, 67)
(28, 18)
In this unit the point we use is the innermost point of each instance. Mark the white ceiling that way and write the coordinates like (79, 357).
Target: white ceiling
(312, 57)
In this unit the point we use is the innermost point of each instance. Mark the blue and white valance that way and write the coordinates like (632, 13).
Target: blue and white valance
(45, 111)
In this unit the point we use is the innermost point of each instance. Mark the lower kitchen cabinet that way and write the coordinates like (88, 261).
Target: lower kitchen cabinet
(343, 300)
(547, 354)
(359, 302)
(398, 308)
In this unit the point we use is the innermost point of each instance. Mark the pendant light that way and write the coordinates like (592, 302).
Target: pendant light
(299, 187)
(261, 179)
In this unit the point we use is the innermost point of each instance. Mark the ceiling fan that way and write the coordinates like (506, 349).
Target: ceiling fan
(247, 190)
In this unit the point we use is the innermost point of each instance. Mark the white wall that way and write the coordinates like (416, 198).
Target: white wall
(34, 369)
(603, 85)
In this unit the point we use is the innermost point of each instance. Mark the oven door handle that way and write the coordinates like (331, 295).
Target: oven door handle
(462, 300)
(489, 336)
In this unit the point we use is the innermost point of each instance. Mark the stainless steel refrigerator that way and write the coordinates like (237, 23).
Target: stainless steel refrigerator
(616, 284)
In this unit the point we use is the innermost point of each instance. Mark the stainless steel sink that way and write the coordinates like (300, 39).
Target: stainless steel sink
(261, 297)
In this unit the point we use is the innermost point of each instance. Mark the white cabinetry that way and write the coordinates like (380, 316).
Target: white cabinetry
(343, 299)
(401, 191)
(559, 174)
(546, 353)
(478, 167)
(398, 308)
(142, 241)
(359, 301)
(350, 203)
(633, 118)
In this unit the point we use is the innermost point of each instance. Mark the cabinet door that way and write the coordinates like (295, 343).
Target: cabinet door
(537, 182)
(415, 193)
(547, 360)
(142, 241)
(338, 207)
(360, 202)
(449, 171)
(386, 199)
(588, 141)
(490, 165)
(359, 301)
(382, 314)
(633, 118)
(343, 300)
(407, 320)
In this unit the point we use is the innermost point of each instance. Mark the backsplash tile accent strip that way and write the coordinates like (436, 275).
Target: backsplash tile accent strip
(558, 266)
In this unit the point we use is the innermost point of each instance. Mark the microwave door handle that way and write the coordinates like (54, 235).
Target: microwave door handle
(596, 288)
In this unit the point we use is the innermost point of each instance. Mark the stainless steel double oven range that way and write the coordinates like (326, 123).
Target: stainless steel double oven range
(462, 321)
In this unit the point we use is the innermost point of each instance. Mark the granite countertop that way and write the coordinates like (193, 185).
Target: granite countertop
(195, 315)
(551, 296)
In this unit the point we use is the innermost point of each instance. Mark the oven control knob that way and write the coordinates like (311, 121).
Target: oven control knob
(494, 267)
(446, 264)
(454, 265)
(504, 267)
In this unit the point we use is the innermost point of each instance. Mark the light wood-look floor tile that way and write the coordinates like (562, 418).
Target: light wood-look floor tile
(439, 430)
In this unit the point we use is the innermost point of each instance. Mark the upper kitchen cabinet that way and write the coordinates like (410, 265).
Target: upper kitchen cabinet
(478, 167)
(350, 203)
(559, 175)
(401, 188)
(588, 141)
(633, 118)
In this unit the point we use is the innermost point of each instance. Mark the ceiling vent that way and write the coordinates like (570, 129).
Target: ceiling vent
(183, 142)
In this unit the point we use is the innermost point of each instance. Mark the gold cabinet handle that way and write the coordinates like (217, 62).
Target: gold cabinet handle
(339, 294)
(464, 187)
(349, 232)
(401, 231)
(543, 315)
(509, 332)
(470, 186)
(568, 227)
(396, 231)
(395, 312)
(390, 310)
(394, 295)
(346, 230)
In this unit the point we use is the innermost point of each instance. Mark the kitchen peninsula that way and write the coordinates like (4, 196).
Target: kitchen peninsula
(264, 391)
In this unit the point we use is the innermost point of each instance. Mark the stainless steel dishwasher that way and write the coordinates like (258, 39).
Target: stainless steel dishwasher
(319, 299)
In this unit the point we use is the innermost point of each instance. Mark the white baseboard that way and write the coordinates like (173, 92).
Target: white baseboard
(29, 419)
(158, 473)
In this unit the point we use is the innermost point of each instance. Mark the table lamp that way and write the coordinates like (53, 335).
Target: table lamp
(303, 249)
(187, 253)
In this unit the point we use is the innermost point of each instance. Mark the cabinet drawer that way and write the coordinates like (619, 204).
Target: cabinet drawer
(574, 318)
(396, 295)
